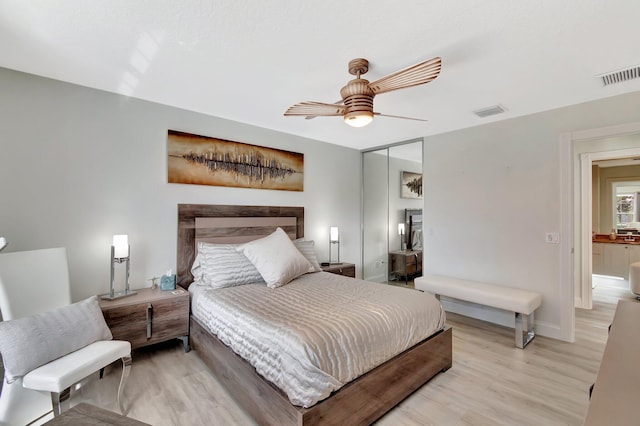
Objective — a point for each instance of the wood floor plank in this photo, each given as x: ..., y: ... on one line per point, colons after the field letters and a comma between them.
x: 491, y: 381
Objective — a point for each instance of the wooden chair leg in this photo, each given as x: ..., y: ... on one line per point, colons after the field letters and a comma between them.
x: 60, y: 401
x: 126, y: 369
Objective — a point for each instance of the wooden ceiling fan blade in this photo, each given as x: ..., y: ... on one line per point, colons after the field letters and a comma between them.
x: 399, y: 116
x: 421, y: 73
x: 308, y: 109
x: 311, y: 117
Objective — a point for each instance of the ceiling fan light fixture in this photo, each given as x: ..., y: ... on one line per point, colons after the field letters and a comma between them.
x: 358, y: 118
x: 356, y: 106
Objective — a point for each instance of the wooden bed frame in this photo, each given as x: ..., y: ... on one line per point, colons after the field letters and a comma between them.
x: 360, y: 402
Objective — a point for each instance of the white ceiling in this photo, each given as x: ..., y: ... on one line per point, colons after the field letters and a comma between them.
x: 249, y: 60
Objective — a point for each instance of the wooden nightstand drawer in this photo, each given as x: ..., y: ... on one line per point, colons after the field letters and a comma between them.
x: 346, y: 269
x: 151, y: 316
x: 405, y: 263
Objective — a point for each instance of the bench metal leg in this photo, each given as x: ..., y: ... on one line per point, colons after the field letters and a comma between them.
x: 60, y: 401
x: 126, y: 368
x: 524, y: 329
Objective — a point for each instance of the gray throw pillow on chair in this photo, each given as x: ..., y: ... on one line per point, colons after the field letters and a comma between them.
x: 29, y: 342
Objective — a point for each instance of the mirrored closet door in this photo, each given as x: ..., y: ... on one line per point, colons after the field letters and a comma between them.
x: 392, y: 213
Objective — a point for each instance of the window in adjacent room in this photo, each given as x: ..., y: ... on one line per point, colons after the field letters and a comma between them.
x: 626, y: 205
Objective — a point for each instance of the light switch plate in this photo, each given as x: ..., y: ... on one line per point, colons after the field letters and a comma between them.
x: 552, y: 237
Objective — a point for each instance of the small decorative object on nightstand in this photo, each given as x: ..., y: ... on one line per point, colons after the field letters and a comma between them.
x: 154, y: 282
x: 151, y: 316
x: 168, y: 281
x: 346, y: 269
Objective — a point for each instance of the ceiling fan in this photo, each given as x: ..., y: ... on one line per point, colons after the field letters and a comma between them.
x: 356, y: 105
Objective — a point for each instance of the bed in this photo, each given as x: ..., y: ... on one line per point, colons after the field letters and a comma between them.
x: 362, y: 400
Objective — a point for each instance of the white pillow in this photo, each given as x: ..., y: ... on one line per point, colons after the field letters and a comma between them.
x: 276, y: 258
x: 221, y: 265
x: 308, y: 250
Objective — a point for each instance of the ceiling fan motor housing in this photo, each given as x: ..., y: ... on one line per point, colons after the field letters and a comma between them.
x: 358, y: 98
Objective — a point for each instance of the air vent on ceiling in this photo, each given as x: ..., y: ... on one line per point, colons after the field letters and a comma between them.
x: 620, y: 76
x: 492, y: 110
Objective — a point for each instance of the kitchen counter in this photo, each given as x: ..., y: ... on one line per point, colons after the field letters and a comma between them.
x: 614, y: 257
x: 621, y: 239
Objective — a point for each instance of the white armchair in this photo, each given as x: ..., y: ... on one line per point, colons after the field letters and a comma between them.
x: 48, y: 344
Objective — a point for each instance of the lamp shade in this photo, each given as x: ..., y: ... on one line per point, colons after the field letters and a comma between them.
x: 334, y: 235
x: 120, y: 246
x: 358, y: 118
x: 401, y: 229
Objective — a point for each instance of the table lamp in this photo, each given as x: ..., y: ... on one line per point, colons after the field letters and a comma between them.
x: 120, y: 253
x: 334, y: 238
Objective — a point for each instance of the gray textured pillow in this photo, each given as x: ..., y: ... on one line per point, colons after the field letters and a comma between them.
x: 308, y: 250
x: 29, y: 342
x: 221, y: 265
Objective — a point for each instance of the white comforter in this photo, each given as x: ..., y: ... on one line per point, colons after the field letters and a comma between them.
x: 319, y: 332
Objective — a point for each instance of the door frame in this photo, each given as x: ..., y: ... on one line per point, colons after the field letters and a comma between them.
x: 577, y: 182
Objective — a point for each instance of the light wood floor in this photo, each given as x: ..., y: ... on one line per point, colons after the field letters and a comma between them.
x: 491, y: 381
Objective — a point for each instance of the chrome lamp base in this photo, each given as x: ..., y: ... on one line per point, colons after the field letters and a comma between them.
x: 112, y: 295
x: 118, y: 295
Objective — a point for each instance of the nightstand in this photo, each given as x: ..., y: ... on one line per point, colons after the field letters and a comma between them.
x: 148, y: 317
x: 346, y: 269
x: 405, y: 264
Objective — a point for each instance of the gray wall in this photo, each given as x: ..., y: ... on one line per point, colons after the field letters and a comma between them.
x: 78, y: 165
x: 491, y: 194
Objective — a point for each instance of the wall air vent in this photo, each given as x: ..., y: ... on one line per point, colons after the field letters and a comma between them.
x: 620, y: 76
x: 492, y: 110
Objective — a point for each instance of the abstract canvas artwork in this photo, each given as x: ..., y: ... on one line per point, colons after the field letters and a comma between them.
x: 411, y: 185
x: 201, y: 160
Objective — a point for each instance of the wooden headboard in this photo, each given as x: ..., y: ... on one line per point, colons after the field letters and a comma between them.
x: 229, y: 224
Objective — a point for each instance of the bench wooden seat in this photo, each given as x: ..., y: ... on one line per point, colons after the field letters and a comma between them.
x: 522, y: 303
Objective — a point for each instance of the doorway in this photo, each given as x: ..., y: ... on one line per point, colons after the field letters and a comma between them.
x: 589, y: 146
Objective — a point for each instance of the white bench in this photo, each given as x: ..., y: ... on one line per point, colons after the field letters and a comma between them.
x: 522, y: 302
